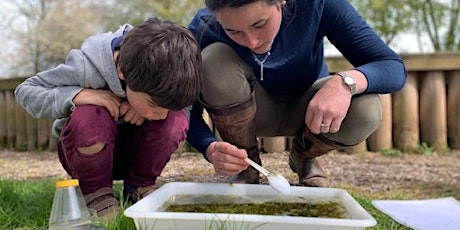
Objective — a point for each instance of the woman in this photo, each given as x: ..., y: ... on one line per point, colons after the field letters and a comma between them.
x: 269, y: 53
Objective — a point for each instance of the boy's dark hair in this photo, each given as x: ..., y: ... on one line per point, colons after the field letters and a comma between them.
x: 162, y: 59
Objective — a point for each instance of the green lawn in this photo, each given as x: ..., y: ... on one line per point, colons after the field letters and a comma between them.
x: 27, y: 204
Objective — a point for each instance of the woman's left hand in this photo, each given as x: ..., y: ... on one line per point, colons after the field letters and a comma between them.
x: 328, y: 107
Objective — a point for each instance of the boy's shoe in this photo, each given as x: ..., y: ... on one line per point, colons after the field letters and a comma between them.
x: 133, y: 195
x: 103, y: 201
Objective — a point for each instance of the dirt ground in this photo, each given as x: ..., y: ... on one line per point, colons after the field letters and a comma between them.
x: 370, y: 172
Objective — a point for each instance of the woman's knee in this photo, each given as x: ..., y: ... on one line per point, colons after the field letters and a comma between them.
x: 367, y: 110
x: 225, y: 75
x: 363, y: 118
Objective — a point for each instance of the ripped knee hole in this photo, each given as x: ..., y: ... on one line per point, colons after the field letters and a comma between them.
x: 92, y: 149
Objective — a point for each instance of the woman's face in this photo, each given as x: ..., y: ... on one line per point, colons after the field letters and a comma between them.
x: 254, y: 25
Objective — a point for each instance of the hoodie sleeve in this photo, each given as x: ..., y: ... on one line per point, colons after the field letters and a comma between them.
x: 49, y: 94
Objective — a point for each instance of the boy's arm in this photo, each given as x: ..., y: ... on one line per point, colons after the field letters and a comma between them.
x: 49, y: 94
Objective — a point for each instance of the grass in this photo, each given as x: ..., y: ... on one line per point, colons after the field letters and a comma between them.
x: 27, y: 204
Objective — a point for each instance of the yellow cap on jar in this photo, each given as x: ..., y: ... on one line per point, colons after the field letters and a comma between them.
x: 67, y: 183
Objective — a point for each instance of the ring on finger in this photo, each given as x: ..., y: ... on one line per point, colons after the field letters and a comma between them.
x: 325, y: 125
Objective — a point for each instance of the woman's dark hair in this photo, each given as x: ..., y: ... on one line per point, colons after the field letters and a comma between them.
x: 216, y: 5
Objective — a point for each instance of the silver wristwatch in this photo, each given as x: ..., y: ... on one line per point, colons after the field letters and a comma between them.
x: 349, y: 81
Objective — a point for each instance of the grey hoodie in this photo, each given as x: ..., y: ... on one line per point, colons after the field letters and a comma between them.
x: 49, y: 94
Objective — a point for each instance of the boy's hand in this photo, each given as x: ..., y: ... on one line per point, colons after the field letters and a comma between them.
x: 129, y: 115
x: 226, y: 158
x: 100, y: 97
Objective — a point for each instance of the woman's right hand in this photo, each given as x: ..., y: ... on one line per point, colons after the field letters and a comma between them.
x: 226, y: 158
x: 100, y: 97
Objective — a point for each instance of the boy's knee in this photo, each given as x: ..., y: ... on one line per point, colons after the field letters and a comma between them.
x: 92, y: 149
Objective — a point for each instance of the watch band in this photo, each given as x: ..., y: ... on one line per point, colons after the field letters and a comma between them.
x: 349, y: 81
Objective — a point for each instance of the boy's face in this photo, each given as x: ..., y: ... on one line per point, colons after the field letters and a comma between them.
x: 143, y: 105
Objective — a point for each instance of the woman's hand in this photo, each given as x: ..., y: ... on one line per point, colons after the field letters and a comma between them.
x: 100, y: 97
x: 328, y: 107
x: 226, y: 158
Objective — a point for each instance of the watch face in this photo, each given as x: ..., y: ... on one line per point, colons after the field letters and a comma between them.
x: 349, y: 80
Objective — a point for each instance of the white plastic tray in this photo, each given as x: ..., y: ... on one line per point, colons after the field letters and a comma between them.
x: 148, y: 214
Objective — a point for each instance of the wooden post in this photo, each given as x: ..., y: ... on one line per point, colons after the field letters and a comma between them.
x: 10, y: 119
x: 207, y: 119
x: 274, y: 144
x: 453, y: 110
x: 20, y: 122
x: 382, y: 137
x: 289, y: 143
x: 43, y: 133
x: 3, y: 126
x: 260, y: 140
x: 433, y: 124
x: 52, y: 143
x: 405, y: 116
x: 31, y: 133
x: 359, y: 148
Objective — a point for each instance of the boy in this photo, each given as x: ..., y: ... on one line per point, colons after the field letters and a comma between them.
x: 122, y: 105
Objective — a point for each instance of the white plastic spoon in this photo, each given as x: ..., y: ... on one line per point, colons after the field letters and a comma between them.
x: 278, y: 182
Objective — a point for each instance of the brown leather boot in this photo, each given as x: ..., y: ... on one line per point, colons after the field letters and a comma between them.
x: 236, y: 125
x: 305, y: 148
x: 309, y: 171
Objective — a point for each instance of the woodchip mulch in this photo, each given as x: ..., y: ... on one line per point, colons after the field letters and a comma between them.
x: 370, y: 172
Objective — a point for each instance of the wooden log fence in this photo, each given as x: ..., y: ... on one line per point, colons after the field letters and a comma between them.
x: 426, y: 111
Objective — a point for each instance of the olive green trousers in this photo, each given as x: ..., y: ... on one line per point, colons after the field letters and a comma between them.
x: 228, y: 80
